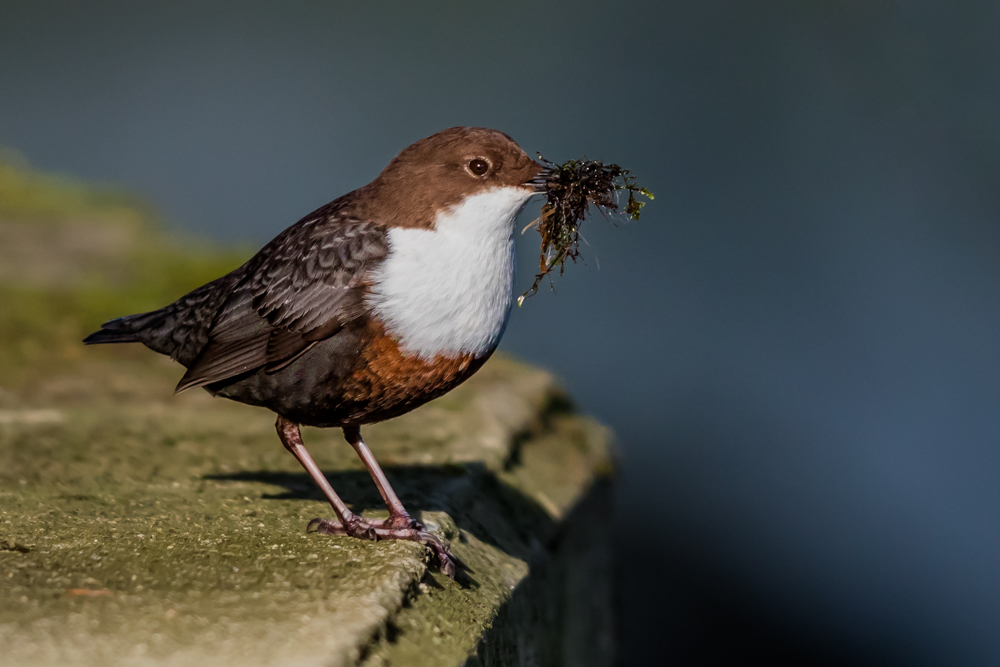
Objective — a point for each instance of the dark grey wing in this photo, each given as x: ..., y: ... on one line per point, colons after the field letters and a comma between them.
x: 303, y: 287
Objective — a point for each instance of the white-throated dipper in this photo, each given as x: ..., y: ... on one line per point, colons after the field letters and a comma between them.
x: 365, y: 309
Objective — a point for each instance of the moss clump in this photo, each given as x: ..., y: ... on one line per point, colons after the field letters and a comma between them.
x: 571, y: 189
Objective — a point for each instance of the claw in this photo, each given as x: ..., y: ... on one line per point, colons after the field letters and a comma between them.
x: 361, y: 529
x: 325, y: 527
x: 402, y: 522
x: 447, y: 563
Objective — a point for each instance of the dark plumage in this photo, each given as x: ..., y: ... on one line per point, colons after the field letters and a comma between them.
x: 301, y: 288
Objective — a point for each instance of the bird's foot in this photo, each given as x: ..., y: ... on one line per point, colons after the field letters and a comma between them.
x: 359, y: 524
x: 396, y: 527
x: 356, y: 526
x: 401, y: 521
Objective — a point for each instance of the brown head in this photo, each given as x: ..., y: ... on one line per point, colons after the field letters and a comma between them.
x: 439, y: 171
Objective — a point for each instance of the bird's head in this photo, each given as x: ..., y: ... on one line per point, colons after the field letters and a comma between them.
x: 444, y: 169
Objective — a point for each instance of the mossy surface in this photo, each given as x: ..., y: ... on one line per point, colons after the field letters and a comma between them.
x: 139, y: 527
x: 67, y: 267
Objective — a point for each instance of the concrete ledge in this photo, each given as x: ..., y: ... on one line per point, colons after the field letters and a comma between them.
x: 137, y: 529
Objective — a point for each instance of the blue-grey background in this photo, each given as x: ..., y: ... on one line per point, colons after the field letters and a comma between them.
x: 797, y: 344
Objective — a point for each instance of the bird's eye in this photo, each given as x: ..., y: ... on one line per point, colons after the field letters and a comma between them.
x: 479, y: 166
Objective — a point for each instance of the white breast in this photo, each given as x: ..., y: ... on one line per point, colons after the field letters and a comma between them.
x: 448, y: 290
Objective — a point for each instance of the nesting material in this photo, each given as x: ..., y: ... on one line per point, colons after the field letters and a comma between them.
x: 571, y: 189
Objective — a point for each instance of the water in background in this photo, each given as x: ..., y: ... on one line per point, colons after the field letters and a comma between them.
x: 797, y: 345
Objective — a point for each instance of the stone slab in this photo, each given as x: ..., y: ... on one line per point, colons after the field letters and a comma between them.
x: 141, y: 528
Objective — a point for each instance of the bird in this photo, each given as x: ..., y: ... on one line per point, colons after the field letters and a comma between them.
x: 363, y: 310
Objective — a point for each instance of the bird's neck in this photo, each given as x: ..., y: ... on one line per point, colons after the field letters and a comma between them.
x: 447, y: 291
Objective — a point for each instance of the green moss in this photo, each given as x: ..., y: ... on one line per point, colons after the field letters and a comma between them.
x: 28, y: 195
x: 73, y: 256
x: 571, y: 189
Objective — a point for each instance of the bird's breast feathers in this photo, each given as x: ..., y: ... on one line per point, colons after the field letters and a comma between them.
x: 447, y: 291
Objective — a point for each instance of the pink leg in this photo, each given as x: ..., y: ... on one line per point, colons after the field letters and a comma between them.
x: 399, y: 525
x: 350, y: 523
x: 398, y: 516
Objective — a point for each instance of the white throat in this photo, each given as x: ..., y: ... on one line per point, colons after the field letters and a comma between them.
x: 448, y: 290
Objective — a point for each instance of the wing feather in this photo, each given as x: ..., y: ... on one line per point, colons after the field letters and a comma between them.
x: 304, y: 286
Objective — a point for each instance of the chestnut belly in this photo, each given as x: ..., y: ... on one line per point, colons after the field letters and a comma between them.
x: 358, y: 376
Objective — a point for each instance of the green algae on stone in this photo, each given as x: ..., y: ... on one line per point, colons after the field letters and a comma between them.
x: 73, y: 255
x: 174, y: 533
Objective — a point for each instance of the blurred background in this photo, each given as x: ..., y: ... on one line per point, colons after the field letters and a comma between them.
x: 797, y: 345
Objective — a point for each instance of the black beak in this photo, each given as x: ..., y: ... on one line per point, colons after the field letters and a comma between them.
x: 540, y: 181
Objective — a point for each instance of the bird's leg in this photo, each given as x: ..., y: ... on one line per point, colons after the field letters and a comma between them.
x: 399, y: 525
x: 398, y: 516
x: 348, y: 523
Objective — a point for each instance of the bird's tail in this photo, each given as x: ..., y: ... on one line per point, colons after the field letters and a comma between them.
x: 124, y: 329
x: 179, y: 330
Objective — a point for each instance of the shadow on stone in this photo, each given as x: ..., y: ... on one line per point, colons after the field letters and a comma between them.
x: 561, y: 613
x: 471, y: 494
